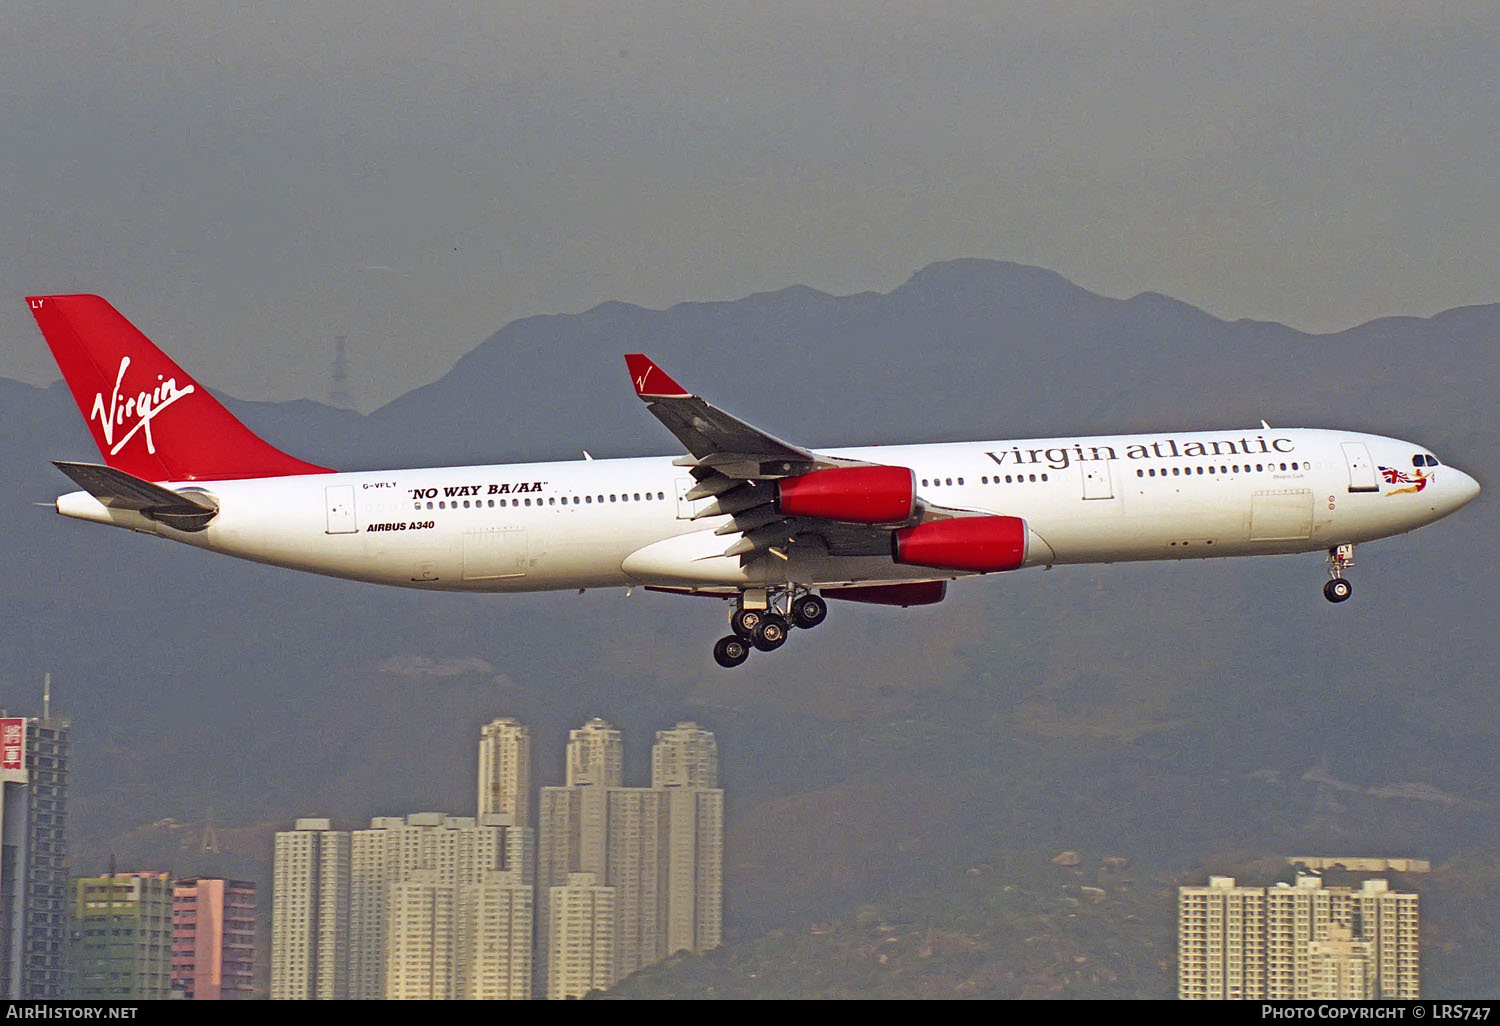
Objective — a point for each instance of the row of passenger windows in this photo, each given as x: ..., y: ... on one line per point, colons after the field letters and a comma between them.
x: 1233, y: 468
x: 1009, y: 479
x: 566, y: 500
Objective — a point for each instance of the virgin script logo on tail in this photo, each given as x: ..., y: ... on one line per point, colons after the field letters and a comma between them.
x: 143, y: 407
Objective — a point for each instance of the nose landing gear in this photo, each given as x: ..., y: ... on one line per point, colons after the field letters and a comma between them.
x: 767, y: 627
x: 1340, y: 557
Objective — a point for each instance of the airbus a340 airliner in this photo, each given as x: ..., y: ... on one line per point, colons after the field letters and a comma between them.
x: 769, y: 525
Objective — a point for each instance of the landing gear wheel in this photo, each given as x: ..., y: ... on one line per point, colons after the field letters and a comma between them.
x: 809, y: 611
x: 1337, y: 590
x: 770, y: 633
x: 731, y: 651
x: 744, y: 621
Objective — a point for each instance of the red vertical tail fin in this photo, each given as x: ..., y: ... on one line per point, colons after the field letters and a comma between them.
x: 147, y: 416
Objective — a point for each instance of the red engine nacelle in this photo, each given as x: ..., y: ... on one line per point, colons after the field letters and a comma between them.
x: 859, y: 495
x: 976, y: 544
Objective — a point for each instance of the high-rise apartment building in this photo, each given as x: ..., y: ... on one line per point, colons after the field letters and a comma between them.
x: 122, y: 937
x: 413, y: 876
x: 505, y: 770
x: 34, y: 896
x: 213, y: 939
x: 421, y: 939
x: 685, y: 769
x: 498, y: 919
x: 595, y: 755
x: 685, y: 756
x: 310, y: 913
x: 658, y: 849
x: 1297, y: 942
x: 581, y: 937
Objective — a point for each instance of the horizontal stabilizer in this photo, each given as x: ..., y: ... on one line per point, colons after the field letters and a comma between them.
x: 119, y: 490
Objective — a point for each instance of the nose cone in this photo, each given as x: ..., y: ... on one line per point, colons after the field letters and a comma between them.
x: 1461, y: 487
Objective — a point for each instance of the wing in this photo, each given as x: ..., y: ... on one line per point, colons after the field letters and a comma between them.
x: 741, y: 469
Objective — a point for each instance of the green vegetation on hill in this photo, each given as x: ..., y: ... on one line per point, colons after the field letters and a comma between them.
x: 1015, y: 927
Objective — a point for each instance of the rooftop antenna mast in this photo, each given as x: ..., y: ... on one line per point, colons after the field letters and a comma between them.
x: 210, y: 837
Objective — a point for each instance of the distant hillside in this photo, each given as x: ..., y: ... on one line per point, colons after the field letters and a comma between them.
x: 1021, y: 926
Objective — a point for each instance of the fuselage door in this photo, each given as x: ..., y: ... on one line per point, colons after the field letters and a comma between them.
x: 1097, y: 482
x: 1361, y: 468
x: 685, y: 508
x: 341, y: 509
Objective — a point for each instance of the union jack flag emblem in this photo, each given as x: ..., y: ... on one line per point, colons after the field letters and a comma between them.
x: 1394, y: 476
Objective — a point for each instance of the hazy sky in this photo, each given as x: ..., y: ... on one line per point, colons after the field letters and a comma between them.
x: 249, y: 181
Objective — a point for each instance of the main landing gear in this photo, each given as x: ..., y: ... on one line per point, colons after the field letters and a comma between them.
x: 1340, y: 558
x: 765, y: 624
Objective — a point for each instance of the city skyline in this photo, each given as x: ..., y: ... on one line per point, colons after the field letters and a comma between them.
x: 433, y: 906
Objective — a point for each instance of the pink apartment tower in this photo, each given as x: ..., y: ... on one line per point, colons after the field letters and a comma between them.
x: 213, y: 938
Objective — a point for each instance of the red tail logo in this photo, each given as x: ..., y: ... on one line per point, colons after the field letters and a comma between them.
x: 106, y: 362
x: 143, y: 406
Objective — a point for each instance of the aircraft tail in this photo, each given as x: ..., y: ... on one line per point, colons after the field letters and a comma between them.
x: 148, y: 417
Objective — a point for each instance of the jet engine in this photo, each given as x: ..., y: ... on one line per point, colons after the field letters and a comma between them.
x: 974, y: 544
x: 857, y: 495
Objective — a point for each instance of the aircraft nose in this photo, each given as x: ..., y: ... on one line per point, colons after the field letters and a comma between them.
x: 1465, y: 488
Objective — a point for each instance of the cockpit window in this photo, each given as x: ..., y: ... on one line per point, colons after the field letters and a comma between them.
x: 1421, y: 459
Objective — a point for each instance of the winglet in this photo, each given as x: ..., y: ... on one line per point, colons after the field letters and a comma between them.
x: 649, y: 379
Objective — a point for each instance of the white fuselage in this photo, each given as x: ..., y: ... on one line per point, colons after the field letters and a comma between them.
x: 604, y: 523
